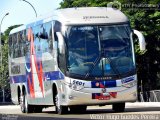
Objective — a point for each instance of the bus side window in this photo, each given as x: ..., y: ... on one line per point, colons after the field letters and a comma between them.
x: 16, y: 46
x: 24, y: 42
x: 21, y: 48
x: 61, y: 47
x: 37, y: 38
x: 13, y: 42
x: 56, y: 28
x: 19, y: 39
x: 27, y: 43
x: 48, y: 29
x: 44, y: 37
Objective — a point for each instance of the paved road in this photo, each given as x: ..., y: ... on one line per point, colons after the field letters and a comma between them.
x: 141, y: 111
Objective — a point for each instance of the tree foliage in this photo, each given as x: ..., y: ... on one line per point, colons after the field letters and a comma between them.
x: 4, y: 74
x: 83, y: 3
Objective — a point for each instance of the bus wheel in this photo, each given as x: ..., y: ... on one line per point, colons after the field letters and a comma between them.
x: 118, y: 107
x: 59, y: 108
x: 37, y: 109
x: 22, y: 103
x: 25, y: 107
x: 78, y: 109
x: 28, y: 108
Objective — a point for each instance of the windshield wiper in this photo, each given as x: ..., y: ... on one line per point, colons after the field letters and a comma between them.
x: 95, y: 63
x: 93, y: 66
x: 113, y: 67
x: 110, y: 62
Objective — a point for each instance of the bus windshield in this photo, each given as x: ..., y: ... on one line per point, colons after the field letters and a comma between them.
x: 99, y: 51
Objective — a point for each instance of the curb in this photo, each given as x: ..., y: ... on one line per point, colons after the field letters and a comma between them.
x: 6, y: 103
x: 144, y: 104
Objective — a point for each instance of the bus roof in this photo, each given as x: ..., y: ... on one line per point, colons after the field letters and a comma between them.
x: 78, y: 16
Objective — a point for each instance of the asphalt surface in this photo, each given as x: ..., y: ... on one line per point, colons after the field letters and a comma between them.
x: 133, y: 111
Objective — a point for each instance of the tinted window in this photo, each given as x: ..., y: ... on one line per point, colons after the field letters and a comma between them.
x: 95, y: 51
x: 48, y: 28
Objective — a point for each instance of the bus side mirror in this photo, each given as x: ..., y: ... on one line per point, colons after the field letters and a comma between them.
x: 141, y: 39
x: 60, y: 42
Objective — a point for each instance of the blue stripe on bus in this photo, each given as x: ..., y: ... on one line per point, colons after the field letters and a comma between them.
x: 57, y: 75
x: 18, y: 79
x: 54, y: 75
x: 104, y: 84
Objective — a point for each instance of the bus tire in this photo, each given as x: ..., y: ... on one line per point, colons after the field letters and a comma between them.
x: 25, y: 107
x: 59, y: 108
x: 22, y: 104
x: 118, y: 107
x: 28, y: 108
x: 78, y: 109
x: 62, y: 110
x: 37, y: 109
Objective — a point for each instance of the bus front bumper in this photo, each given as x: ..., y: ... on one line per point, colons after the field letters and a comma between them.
x: 92, y: 96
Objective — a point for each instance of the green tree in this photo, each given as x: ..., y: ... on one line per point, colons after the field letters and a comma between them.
x: 83, y: 3
x: 4, y: 78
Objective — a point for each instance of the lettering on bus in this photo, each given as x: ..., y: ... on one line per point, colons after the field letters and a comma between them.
x: 95, y: 17
x: 15, y: 69
x: 75, y: 82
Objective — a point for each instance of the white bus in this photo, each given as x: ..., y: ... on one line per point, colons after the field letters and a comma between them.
x: 74, y: 58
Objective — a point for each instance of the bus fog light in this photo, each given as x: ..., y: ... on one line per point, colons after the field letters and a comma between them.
x: 76, y: 87
x: 71, y: 97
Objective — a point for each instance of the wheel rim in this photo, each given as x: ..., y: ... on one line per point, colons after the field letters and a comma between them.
x: 57, y: 107
x: 22, y: 104
x: 26, y: 104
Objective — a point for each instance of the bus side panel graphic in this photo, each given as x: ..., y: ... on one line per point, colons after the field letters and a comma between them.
x: 34, y: 71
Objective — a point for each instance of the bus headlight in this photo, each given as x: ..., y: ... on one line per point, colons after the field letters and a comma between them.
x: 130, y: 84
x: 76, y: 87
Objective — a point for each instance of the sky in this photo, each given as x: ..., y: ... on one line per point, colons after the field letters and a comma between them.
x: 21, y: 12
